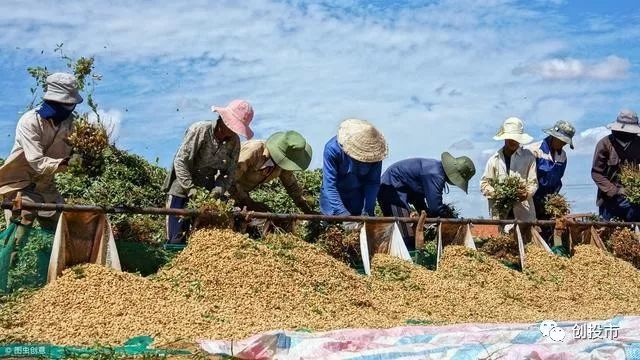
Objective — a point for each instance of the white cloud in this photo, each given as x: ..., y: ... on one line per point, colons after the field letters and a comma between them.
x: 428, y: 76
x: 611, y: 68
x: 586, y: 140
x: 112, y: 120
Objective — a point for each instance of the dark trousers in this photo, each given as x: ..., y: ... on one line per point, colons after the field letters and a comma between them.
x: 620, y: 208
x: 395, y: 203
x: 177, y: 227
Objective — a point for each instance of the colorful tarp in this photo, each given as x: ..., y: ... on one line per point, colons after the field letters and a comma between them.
x: 617, y: 338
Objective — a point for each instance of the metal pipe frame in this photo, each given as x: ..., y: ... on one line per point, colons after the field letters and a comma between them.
x: 123, y: 209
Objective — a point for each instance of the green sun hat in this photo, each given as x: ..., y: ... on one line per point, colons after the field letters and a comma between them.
x: 459, y: 170
x: 289, y: 150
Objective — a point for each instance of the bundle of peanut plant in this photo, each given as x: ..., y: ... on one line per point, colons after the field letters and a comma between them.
x: 630, y: 179
x: 556, y: 205
x: 215, y: 212
x: 507, y: 192
x: 626, y: 245
x: 88, y: 140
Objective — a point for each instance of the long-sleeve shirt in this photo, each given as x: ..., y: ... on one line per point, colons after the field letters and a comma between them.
x: 349, y: 187
x: 40, y: 147
x: 609, y: 155
x: 418, y: 178
x: 550, y: 168
x: 203, y: 161
x: 523, y: 164
x: 255, y: 167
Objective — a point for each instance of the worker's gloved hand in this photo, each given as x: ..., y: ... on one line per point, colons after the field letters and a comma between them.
x: 192, y: 192
x: 218, y: 193
x: 350, y: 226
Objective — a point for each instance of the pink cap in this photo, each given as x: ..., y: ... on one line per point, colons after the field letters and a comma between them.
x: 237, y: 116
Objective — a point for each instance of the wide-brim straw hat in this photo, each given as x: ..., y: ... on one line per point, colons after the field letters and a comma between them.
x: 289, y: 150
x: 458, y: 169
x: 62, y: 88
x: 513, y: 129
x: 362, y: 141
x: 237, y: 116
x: 627, y: 121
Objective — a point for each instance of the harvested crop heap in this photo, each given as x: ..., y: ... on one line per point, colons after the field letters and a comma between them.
x: 224, y: 285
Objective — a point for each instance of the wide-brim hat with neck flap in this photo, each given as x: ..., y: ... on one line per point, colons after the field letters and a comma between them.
x: 362, y: 141
x: 289, y: 150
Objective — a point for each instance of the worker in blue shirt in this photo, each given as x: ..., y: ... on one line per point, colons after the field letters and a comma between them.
x: 420, y: 183
x: 551, y: 162
x: 351, y: 170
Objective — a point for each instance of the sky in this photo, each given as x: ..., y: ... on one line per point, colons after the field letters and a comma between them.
x: 433, y: 76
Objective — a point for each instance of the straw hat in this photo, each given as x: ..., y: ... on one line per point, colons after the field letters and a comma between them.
x: 237, y: 116
x: 289, y: 150
x: 627, y: 121
x: 62, y: 88
x: 513, y: 129
x: 362, y: 141
x: 459, y: 170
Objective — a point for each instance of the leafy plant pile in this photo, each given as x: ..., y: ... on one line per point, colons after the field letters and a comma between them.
x: 556, y: 206
x: 626, y: 245
x: 630, y: 179
x: 274, y: 195
x: 127, y: 180
x: 507, y: 191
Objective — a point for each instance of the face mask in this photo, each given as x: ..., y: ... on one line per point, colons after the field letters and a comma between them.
x: 624, y: 136
x: 55, y: 111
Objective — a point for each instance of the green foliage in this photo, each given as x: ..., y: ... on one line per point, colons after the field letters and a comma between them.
x: 429, y: 255
x: 507, y: 192
x: 127, y: 180
x: 630, y: 179
x: 30, y: 270
x: 274, y: 195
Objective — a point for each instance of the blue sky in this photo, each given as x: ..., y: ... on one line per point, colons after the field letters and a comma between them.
x: 433, y: 76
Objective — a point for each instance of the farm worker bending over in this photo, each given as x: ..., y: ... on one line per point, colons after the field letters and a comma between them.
x: 262, y: 161
x: 621, y: 147
x: 40, y: 151
x: 512, y: 160
x: 551, y: 162
x: 412, y: 181
x: 351, y: 170
x: 206, y: 158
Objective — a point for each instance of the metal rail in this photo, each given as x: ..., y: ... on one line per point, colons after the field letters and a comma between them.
x: 122, y: 209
